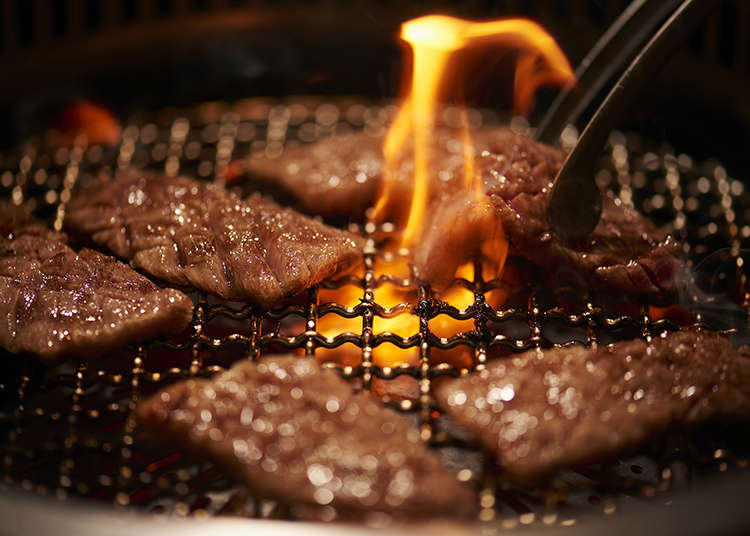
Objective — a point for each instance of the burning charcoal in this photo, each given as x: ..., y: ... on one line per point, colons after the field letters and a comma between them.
x: 294, y: 432
x: 549, y: 409
x: 193, y: 233
x: 58, y: 303
x: 93, y: 121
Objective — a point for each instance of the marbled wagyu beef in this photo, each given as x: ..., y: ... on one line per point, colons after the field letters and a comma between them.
x: 58, y: 303
x: 549, y: 409
x: 337, y: 176
x: 195, y: 233
x: 626, y: 253
x: 292, y: 431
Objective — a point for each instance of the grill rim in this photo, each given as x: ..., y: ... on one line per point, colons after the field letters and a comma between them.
x: 686, y: 514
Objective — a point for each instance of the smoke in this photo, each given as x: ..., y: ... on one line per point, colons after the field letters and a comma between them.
x: 716, y: 290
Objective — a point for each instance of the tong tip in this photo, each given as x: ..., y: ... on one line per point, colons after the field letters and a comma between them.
x: 574, y: 209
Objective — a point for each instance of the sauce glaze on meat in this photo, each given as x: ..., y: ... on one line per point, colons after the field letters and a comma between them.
x: 295, y: 432
x: 548, y: 409
x: 195, y: 233
x: 57, y: 303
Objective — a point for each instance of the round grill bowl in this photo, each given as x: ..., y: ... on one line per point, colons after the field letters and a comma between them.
x: 66, y: 431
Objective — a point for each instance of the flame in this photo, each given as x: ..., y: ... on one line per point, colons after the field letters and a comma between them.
x: 471, y: 179
x: 395, y: 295
x: 434, y: 41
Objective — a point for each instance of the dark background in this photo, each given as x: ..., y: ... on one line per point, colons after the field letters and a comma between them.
x: 148, y: 54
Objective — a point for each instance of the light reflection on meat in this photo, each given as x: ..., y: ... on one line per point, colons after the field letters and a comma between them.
x: 58, y: 303
x: 549, y: 409
x: 192, y: 233
x: 291, y: 431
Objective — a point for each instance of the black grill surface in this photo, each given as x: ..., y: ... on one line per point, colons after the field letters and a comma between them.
x: 65, y: 431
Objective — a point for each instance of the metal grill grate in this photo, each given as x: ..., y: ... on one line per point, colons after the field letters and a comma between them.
x: 66, y: 430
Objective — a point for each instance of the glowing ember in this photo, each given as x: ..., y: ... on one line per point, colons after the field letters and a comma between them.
x: 399, y: 296
x: 95, y: 122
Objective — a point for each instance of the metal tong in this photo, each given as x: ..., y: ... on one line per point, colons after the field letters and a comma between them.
x: 575, y: 202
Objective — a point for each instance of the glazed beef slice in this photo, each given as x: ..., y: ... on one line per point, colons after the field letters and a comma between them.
x: 336, y: 176
x: 549, y: 409
x: 625, y: 253
x: 194, y: 233
x: 57, y: 303
x: 294, y: 432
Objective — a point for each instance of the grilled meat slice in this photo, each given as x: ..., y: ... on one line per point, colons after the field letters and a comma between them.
x: 292, y: 431
x: 548, y: 409
x: 336, y: 176
x: 194, y: 233
x: 57, y: 303
x: 341, y: 175
x: 473, y: 233
x: 625, y: 253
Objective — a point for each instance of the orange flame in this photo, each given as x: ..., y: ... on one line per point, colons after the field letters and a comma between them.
x: 434, y: 39
x: 394, y: 297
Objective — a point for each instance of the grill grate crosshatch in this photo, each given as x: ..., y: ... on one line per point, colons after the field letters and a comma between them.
x: 66, y: 429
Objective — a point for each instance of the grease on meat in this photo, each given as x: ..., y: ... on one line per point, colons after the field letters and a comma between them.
x: 292, y: 431
x: 549, y: 409
x: 58, y: 303
x: 194, y: 233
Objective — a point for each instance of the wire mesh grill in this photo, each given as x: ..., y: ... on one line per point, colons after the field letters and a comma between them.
x: 66, y: 429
